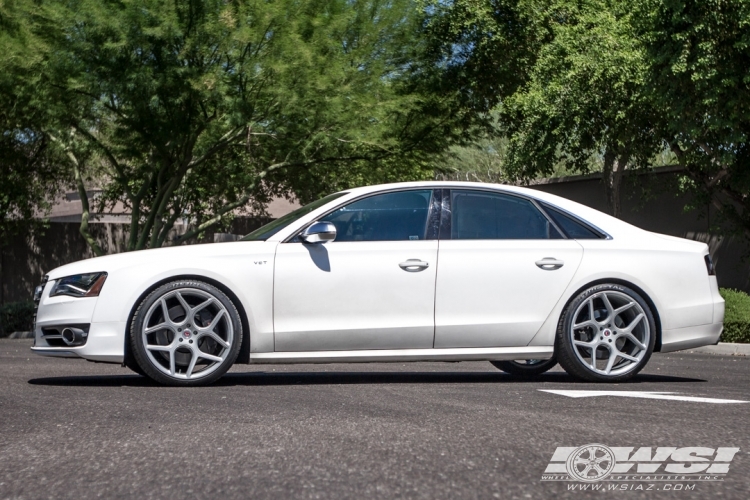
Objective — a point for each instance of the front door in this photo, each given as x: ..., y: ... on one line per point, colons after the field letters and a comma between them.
x: 493, y: 286
x: 373, y: 287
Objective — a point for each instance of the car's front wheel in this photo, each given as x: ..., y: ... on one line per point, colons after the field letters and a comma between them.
x: 526, y: 367
x: 606, y: 334
x: 185, y: 332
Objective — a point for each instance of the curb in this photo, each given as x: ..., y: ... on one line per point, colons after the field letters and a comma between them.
x: 724, y: 348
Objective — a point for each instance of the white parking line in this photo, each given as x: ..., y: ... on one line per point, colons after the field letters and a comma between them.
x: 641, y: 394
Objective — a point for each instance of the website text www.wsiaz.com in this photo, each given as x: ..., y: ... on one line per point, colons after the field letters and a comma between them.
x: 632, y: 487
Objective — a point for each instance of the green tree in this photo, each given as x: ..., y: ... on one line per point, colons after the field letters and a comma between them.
x: 192, y: 110
x: 561, y: 81
x: 29, y: 176
x: 699, y: 84
x: 585, y: 97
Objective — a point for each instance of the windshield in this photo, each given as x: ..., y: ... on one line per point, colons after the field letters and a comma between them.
x: 265, y: 232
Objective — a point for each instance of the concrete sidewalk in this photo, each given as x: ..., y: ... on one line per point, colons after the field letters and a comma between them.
x: 724, y: 348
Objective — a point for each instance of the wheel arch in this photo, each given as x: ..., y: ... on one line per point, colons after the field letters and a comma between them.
x: 244, y: 355
x: 635, y: 288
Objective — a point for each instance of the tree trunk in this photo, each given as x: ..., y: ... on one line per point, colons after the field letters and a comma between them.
x: 85, y: 212
x: 612, y: 175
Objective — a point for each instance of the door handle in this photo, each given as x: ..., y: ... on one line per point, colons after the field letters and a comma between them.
x: 550, y: 263
x: 412, y: 265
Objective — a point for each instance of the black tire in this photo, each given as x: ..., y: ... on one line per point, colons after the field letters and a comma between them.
x: 528, y: 368
x: 610, y: 335
x: 133, y: 366
x: 152, y: 365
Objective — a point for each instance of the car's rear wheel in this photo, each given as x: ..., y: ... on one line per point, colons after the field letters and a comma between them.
x: 606, y: 334
x: 526, y: 367
x: 186, y: 332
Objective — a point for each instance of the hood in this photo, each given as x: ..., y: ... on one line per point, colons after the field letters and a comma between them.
x: 169, y: 256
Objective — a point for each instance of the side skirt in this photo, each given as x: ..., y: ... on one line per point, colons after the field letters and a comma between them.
x: 396, y: 355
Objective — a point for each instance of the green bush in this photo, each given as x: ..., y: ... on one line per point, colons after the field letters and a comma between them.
x: 16, y: 317
x: 736, y: 316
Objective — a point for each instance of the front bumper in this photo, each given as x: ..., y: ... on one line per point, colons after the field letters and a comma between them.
x: 105, y: 341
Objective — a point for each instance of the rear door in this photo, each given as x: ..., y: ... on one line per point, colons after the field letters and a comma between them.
x: 502, y: 268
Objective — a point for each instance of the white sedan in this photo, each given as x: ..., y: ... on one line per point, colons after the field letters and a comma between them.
x: 426, y: 271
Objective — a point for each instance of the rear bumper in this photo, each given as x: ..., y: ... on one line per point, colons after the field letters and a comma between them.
x: 691, y: 337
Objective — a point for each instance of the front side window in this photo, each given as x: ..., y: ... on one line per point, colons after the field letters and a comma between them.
x: 481, y: 215
x: 397, y: 216
x: 265, y: 232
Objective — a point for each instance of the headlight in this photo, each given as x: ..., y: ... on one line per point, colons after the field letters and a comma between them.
x: 79, y: 285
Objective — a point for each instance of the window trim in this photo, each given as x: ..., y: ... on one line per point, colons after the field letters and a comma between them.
x: 603, y: 235
x: 433, y: 205
x: 447, y: 212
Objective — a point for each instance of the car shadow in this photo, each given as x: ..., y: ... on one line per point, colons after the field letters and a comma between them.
x: 361, y: 378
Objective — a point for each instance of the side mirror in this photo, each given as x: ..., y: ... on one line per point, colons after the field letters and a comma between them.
x: 319, y: 232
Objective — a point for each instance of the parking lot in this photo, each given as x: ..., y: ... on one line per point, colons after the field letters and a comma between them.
x: 74, y: 429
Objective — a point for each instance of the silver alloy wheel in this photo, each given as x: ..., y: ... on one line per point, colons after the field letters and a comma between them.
x: 610, y: 333
x: 185, y: 329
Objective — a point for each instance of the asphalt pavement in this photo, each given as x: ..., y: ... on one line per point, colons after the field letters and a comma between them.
x: 75, y: 429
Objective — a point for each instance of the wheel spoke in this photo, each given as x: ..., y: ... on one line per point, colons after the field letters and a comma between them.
x: 160, y: 326
x: 591, y: 310
x: 216, y: 319
x: 165, y: 312
x: 184, y: 305
x: 634, y: 340
x: 210, y: 357
x: 191, y: 367
x: 585, y: 344
x: 161, y: 348
x: 634, y: 323
x: 610, y: 309
x: 624, y: 308
x: 171, y: 363
x: 591, y: 323
x: 223, y: 343
x: 611, y: 361
x: 627, y: 356
x: 202, y: 305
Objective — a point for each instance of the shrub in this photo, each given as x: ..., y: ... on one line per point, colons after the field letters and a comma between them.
x: 736, y: 316
x: 16, y: 317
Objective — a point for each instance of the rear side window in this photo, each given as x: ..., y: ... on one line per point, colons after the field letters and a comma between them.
x: 481, y: 215
x: 573, y: 228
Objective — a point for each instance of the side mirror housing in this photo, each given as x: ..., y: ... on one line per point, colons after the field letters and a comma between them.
x: 319, y: 232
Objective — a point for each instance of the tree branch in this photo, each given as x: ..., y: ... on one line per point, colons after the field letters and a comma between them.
x: 220, y: 144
